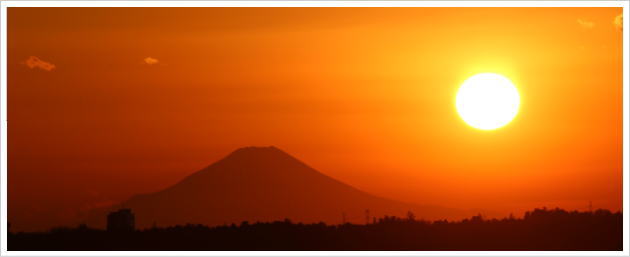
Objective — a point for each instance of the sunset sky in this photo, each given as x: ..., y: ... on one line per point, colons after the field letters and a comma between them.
x: 105, y: 103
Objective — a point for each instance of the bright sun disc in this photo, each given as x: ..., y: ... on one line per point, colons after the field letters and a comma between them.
x: 487, y: 101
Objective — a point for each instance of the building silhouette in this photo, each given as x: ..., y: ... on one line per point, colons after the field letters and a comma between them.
x: 122, y: 220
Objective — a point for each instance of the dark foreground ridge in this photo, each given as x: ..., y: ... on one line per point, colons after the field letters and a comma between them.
x: 540, y: 229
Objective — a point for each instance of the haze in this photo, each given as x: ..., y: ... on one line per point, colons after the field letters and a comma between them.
x: 105, y: 103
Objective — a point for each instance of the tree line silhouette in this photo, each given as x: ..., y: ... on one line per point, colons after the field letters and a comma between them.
x: 540, y: 229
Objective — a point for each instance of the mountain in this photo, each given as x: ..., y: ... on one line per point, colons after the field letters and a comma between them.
x: 263, y: 184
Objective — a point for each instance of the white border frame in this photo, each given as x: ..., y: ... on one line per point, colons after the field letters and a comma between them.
x: 3, y: 120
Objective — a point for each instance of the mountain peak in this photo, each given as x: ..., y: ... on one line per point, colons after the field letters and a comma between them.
x: 251, y: 153
x: 260, y: 184
x: 249, y: 149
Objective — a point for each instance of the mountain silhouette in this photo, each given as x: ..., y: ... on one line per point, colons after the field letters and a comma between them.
x: 262, y: 184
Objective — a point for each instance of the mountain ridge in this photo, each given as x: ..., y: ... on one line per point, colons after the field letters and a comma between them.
x: 264, y: 184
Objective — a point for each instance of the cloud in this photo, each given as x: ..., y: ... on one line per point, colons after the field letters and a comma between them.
x: 34, y: 62
x: 151, y: 60
x: 586, y: 24
x: 618, y: 21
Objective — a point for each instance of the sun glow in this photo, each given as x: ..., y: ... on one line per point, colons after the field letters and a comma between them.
x: 487, y: 101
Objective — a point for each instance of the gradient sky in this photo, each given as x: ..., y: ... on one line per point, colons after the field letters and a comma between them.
x: 104, y: 103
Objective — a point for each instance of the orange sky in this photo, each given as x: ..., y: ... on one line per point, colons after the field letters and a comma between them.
x: 120, y: 101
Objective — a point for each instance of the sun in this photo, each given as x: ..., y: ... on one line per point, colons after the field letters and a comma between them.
x: 487, y: 101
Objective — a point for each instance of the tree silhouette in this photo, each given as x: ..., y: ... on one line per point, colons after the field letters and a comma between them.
x: 539, y: 229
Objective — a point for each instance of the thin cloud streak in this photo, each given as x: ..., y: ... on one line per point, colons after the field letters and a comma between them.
x: 618, y: 21
x: 151, y: 60
x: 586, y: 24
x: 34, y: 62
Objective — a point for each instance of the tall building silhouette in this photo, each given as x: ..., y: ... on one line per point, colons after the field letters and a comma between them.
x: 122, y: 220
